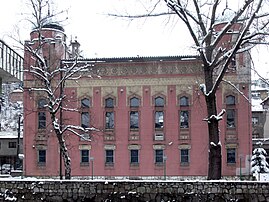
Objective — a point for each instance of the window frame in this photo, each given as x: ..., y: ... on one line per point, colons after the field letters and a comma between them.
x: 84, y: 157
x: 159, y: 158
x: 42, y: 158
x: 183, y: 156
x: 109, y: 158
x: 12, y: 145
x: 134, y: 156
x: 229, y: 157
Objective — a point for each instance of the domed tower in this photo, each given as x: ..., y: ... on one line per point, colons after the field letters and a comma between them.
x: 43, y: 54
x: 48, y: 43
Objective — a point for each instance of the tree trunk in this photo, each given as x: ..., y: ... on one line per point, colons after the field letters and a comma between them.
x: 215, y: 158
x: 65, y: 156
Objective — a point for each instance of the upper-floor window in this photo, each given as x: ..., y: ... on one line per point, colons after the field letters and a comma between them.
x: 184, y: 101
x: 159, y: 102
x: 230, y: 100
x: 109, y: 102
x: 134, y: 120
x: 41, y: 103
x: 184, y: 119
x: 134, y: 102
x: 230, y: 111
x: 159, y: 119
x: 85, y: 119
x: 109, y: 120
x: 85, y: 103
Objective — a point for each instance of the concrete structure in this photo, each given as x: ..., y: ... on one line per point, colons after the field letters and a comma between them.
x: 149, y: 111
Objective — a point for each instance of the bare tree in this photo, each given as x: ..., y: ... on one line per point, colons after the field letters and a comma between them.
x: 48, y: 75
x: 248, y: 26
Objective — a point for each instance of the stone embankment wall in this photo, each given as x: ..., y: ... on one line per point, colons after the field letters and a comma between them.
x: 116, y: 190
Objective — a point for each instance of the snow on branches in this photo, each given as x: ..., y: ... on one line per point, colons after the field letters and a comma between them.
x: 258, y: 161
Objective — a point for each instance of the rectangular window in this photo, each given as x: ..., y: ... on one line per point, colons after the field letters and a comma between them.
x: 109, y: 156
x: 109, y: 120
x: 134, y: 119
x: 41, y: 156
x: 184, y: 119
x: 41, y: 120
x: 184, y: 156
x: 231, y: 155
x: 85, y: 119
x: 158, y: 156
x: 159, y: 118
x: 230, y: 118
x: 134, y: 156
x: 12, y: 145
x: 84, y: 156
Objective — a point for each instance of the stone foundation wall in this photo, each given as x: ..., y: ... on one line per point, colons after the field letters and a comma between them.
x: 116, y: 190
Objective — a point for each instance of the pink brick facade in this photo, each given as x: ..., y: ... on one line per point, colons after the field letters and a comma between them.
x: 157, y: 127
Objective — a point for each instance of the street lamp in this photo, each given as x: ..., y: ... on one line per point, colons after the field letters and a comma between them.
x: 92, y: 159
x: 164, y: 168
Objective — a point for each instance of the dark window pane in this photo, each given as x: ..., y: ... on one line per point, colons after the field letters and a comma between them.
x: 184, y: 119
x: 134, y: 156
x: 184, y: 101
x: 231, y: 155
x: 184, y: 156
x: 85, y: 119
x: 230, y: 100
x: 159, y: 102
x: 134, y: 102
x: 84, y: 156
x: 85, y: 103
x: 109, y: 156
x: 109, y: 120
x: 42, y: 156
x: 158, y: 156
x: 12, y: 145
x: 159, y: 119
x: 134, y: 119
x: 109, y: 102
x: 41, y: 120
x: 230, y: 113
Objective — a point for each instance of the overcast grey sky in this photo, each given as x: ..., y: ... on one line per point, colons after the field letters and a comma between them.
x: 103, y: 36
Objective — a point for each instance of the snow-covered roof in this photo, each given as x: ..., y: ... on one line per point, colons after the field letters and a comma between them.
x: 9, y: 135
x: 256, y: 105
x: 258, y: 88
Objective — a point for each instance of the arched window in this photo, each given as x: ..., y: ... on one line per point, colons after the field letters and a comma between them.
x: 230, y: 100
x: 109, y: 102
x: 85, y: 103
x: 41, y: 103
x: 184, y: 101
x: 159, y: 102
x: 134, y: 102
